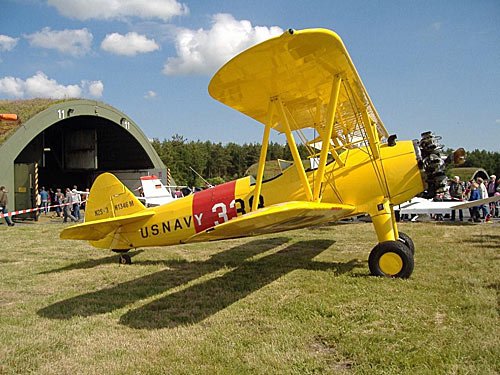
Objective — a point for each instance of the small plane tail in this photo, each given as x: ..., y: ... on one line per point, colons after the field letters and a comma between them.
x: 109, y: 198
x: 110, y: 206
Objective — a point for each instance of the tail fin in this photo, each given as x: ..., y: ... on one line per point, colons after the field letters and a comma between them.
x: 109, y: 198
x: 109, y: 207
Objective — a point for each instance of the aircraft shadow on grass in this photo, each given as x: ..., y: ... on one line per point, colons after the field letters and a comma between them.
x: 90, y: 263
x: 485, y: 240
x: 199, y: 301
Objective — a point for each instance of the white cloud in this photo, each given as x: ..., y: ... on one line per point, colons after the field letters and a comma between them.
x: 7, y: 43
x: 129, y: 44
x: 72, y: 42
x: 41, y: 86
x: 12, y: 87
x: 120, y: 9
x: 94, y: 88
x: 497, y: 121
x: 203, y: 51
x: 150, y: 95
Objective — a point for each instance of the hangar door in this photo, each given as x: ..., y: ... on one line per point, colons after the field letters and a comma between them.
x: 23, y: 185
x: 80, y: 149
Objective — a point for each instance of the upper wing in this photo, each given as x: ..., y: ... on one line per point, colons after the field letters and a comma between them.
x: 276, y: 218
x: 299, y: 68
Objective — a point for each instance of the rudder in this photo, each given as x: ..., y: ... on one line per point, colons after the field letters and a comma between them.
x: 109, y: 198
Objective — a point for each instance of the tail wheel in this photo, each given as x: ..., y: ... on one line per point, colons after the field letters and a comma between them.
x: 391, y: 259
x: 404, y: 238
x: 125, y: 259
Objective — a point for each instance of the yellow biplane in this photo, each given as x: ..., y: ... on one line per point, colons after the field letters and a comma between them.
x: 299, y: 82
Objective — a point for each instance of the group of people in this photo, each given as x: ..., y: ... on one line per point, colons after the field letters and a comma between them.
x: 475, y: 190
x: 67, y: 204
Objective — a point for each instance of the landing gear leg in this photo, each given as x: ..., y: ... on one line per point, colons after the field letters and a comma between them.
x: 123, y: 257
x: 393, y: 256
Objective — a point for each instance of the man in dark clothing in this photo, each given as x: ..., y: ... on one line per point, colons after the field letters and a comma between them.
x: 492, y: 189
x: 4, y: 200
x: 457, y: 192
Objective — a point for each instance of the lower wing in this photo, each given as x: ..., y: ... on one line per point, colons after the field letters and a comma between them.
x: 276, y: 218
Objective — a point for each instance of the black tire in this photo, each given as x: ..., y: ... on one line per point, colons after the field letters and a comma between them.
x: 391, y: 259
x: 404, y: 238
x: 125, y: 259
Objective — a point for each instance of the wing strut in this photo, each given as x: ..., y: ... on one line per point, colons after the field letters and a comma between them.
x: 262, y: 159
x: 276, y: 103
x: 371, y: 132
x: 293, y: 148
x: 326, y: 136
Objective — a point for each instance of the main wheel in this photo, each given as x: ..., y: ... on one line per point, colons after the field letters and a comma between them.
x: 391, y: 259
x: 124, y: 259
x: 404, y: 238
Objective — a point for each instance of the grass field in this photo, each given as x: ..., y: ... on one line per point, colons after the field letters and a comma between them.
x: 300, y: 302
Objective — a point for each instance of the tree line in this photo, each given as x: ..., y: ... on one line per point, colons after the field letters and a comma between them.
x: 488, y: 160
x: 217, y: 162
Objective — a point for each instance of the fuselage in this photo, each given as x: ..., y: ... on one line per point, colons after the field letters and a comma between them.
x: 361, y: 182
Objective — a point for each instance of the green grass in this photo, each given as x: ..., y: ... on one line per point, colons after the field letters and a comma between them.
x: 300, y: 302
x: 24, y: 109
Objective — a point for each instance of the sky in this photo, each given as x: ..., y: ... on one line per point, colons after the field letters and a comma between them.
x: 427, y: 65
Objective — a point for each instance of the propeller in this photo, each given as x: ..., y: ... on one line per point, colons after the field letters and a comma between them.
x: 433, y: 163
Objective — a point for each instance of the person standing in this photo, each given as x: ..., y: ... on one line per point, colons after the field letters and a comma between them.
x: 38, y: 204
x: 76, y: 203
x: 59, y: 200
x: 475, y: 195
x: 4, y: 200
x: 44, y: 195
x: 484, y: 194
x: 492, y: 187
x: 85, y: 197
x: 457, y: 193
x: 68, y: 203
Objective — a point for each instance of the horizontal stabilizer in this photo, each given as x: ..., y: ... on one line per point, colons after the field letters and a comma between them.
x: 276, y: 218
x: 98, y: 229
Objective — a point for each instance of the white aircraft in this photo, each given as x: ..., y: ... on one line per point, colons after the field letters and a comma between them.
x: 421, y: 206
x: 154, y: 192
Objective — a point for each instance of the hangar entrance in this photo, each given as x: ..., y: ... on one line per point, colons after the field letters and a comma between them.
x: 62, y: 143
x: 73, y: 152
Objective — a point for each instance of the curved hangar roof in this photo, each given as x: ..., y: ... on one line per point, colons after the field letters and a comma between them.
x: 60, y: 143
x: 38, y: 115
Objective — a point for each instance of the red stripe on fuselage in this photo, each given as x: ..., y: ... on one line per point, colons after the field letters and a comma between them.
x: 214, y: 206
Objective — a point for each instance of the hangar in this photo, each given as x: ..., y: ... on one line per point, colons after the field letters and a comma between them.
x: 61, y: 143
